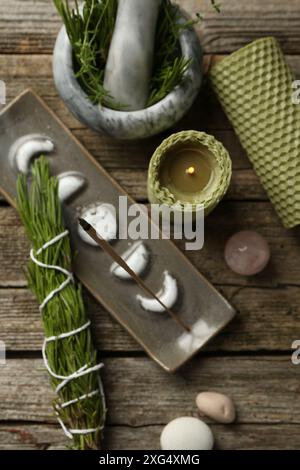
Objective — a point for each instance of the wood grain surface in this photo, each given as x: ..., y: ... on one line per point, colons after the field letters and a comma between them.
x: 251, y: 359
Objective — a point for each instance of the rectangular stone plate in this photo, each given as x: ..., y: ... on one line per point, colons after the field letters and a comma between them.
x: 199, y: 304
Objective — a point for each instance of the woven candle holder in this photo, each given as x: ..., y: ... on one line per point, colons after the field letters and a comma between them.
x: 254, y: 86
x: 211, y: 196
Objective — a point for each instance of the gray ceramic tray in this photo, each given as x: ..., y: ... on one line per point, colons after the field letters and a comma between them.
x: 199, y: 305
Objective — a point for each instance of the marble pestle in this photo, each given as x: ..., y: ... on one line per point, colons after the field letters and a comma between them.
x: 130, y: 59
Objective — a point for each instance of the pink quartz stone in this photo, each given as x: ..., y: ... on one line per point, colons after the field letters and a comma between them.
x: 247, y: 253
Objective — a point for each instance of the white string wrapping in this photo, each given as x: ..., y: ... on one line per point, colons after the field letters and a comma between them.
x: 84, y: 369
x: 49, y: 266
x: 69, y: 432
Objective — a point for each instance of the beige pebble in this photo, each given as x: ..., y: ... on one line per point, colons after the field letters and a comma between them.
x: 216, y: 406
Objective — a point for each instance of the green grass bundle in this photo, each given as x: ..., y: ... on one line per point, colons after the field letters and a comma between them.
x: 80, y: 404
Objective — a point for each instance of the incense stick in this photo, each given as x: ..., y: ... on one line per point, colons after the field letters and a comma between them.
x: 119, y: 260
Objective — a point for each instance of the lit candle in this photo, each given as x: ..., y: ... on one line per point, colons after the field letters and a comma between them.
x: 186, y: 171
x: 189, y: 167
x: 190, y: 170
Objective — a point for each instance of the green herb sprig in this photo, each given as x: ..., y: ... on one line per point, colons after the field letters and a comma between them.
x: 90, y: 34
x: 41, y: 214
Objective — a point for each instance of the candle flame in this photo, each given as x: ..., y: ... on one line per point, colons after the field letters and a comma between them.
x: 190, y: 170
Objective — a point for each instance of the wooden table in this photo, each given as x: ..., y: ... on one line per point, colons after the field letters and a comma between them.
x: 251, y: 359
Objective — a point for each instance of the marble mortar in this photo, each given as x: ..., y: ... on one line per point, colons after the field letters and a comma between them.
x: 128, y: 125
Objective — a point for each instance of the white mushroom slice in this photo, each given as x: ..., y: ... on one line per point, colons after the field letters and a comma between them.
x: 69, y: 183
x: 167, y: 295
x: 26, y: 147
x: 102, y: 217
x: 137, y: 258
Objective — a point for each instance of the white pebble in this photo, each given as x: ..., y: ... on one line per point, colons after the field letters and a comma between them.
x: 186, y: 433
x: 216, y: 406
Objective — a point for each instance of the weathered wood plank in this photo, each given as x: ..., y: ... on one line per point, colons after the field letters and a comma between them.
x: 139, y: 393
x: 231, y: 216
x: 35, y: 71
x: 267, y: 319
x: 31, y: 437
x: 264, y: 388
x: 245, y: 185
x: 35, y: 24
x: 242, y: 21
x: 230, y: 437
x: 206, y: 114
x: 20, y: 72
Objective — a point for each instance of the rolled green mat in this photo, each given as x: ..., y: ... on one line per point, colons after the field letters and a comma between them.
x: 254, y: 86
